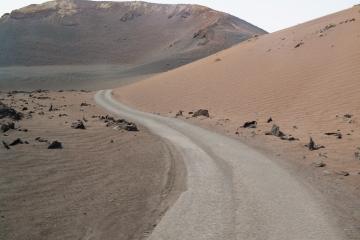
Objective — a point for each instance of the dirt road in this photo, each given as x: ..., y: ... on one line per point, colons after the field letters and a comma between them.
x: 233, y: 192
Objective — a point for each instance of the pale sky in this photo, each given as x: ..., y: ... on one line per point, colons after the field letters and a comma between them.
x: 271, y: 15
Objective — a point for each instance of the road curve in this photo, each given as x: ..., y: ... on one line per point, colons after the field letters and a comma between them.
x: 233, y: 192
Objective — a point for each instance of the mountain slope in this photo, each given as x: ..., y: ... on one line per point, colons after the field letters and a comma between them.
x: 86, y: 32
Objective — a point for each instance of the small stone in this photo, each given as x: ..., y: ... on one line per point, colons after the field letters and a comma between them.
x: 343, y: 173
x: 250, y: 124
x: 5, y: 145
x: 269, y: 120
x: 298, y: 45
x: 16, y: 142
x: 55, y: 145
x: 84, y: 104
x: 319, y: 164
x: 312, y: 146
x: 357, y: 155
x: 131, y: 127
x: 201, y: 112
x: 275, y: 131
x: 42, y: 140
x: 179, y: 114
x: 7, y: 126
x: 336, y: 134
x: 78, y: 125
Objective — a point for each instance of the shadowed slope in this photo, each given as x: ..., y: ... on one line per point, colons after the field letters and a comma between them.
x: 86, y: 32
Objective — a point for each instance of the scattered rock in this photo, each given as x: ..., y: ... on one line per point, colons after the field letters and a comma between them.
x: 289, y: 138
x: 84, y: 104
x: 337, y: 134
x: 5, y: 145
x: 78, y: 125
x: 16, y: 142
x: 63, y: 115
x: 327, y: 27
x: 129, y: 126
x: 8, y: 112
x: 348, y: 116
x: 42, y: 140
x: 7, y: 126
x: 55, y: 145
x: 343, y: 173
x: 25, y: 109
x: 275, y: 131
x: 269, y: 120
x: 51, y: 108
x: 120, y: 124
x: 357, y: 154
x: 179, y: 114
x: 299, y: 45
x: 319, y: 164
x: 312, y: 146
x: 201, y: 112
x: 250, y: 124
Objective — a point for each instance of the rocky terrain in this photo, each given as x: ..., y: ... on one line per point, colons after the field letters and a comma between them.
x: 70, y: 171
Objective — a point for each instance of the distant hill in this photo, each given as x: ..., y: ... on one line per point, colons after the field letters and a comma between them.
x: 67, y: 32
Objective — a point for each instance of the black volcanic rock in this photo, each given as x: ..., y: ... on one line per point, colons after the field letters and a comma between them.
x: 92, y: 32
x: 8, y: 112
x: 201, y: 112
x: 55, y: 145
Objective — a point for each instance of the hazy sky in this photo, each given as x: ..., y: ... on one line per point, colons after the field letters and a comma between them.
x: 270, y: 15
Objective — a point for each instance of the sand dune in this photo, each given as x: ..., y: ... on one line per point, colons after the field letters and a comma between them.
x: 306, y: 76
